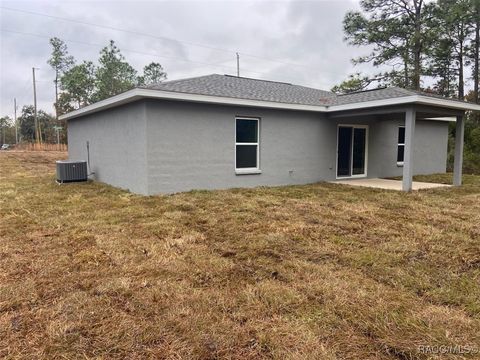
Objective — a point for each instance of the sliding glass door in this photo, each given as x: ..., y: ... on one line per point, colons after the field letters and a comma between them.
x: 351, y: 151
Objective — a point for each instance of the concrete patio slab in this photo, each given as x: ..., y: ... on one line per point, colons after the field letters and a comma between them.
x: 388, y: 184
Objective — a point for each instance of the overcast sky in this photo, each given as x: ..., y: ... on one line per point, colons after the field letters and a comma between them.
x: 293, y: 41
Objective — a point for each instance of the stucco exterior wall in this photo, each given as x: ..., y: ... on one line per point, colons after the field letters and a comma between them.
x: 152, y: 146
x: 430, y: 148
x: 192, y: 146
x: 117, y: 145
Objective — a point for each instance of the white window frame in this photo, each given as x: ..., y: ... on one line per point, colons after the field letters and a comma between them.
x: 365, y: 173
x: 251, y: 170
x: 400, y: 163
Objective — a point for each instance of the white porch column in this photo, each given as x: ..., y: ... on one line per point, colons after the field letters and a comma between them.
x: 458, y: 160
x: 408, y: 152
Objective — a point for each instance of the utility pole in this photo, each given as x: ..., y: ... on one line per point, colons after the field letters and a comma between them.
x: 238, y: 65
x: 56, y: 98
x: 15, y: 119
x: 57, y: 129
x: 37, y: 132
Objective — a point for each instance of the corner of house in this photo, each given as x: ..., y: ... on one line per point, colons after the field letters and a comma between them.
x: 145, y: 148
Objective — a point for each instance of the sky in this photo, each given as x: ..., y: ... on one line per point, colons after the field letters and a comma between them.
x: 300, y: 42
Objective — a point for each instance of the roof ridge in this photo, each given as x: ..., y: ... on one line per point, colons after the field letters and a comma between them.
x: 182, y: 79
x: 170, y: 82
x: 281, y: 82
x: 254, y: 79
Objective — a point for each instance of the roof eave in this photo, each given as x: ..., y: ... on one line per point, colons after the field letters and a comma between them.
x: 140, y: 93
x: 120, y: 99
x: 451, y: 104
x: 407, y: 100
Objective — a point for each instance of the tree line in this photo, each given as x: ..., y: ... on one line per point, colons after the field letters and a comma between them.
x: 424, y: 45
x: 432, y: 46
x: 78, y: 85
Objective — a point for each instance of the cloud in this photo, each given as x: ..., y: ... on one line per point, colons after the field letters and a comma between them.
x: 295, y: 41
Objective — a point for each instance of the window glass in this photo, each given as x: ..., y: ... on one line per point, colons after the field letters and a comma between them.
x: 359, y: 148
x: 400, y: 153
x: 344, y: 151
x: 246, y: 144
x: 401, y: 144
x: 247, y: 131
x: 246, y: 156
x: 401, y: 135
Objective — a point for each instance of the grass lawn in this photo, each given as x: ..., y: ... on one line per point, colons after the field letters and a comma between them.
x: 321, y: 271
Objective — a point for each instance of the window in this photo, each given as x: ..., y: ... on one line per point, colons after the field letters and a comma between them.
x: 401, y: 145
x: 246, y: 145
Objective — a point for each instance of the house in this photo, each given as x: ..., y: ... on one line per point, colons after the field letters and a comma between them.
x: 221, y: 131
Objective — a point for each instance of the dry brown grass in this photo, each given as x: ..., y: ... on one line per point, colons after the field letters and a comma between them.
x: 303, y: 272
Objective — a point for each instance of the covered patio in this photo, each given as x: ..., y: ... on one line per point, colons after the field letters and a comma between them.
x: 434, y: 109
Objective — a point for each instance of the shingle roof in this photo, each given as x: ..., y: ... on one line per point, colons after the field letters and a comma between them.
x: 269, y: 94
x: 255, y: 89
x: 383, y: 93
x: 246, y: 88
x: 372, y: 95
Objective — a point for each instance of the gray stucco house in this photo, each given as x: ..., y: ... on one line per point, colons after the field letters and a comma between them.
x: 221, y: 131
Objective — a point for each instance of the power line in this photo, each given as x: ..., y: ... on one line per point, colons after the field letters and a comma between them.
x: 164, y: 38
x: 133, y: 32
x: 217, y: 64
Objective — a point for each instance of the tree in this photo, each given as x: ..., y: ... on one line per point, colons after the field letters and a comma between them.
x: 60, y: 61
x: 441, y: 66
x: 454, y: 17
x: 27, y: 124
x: 153, y: 73
x: 66, y: 103
x: 355, y: 82
x: 7, y: 130
x: 396, y: 30
x: 85, y: 83
x: 473, y: 52
x: 114, y: 75
x: 79, y: 84
x: 471, y: 155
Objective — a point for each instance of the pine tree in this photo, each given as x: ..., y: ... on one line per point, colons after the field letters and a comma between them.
x: 153, y: 73
x: 114, y: 75
x: 60, y: 61
x: 78, y: 85
x: 396, y: 30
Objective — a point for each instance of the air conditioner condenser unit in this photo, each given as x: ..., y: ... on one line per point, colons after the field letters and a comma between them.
x: 70, y: 171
